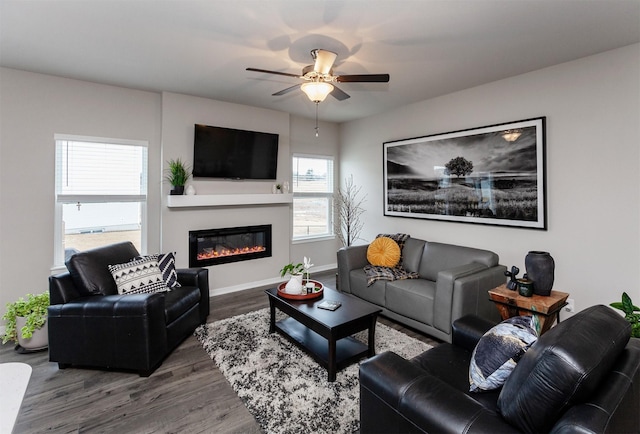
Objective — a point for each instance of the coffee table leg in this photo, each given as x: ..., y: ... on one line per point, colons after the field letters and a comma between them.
x: 332, y: 360
x: 372, y: 336
x: 272, y: 318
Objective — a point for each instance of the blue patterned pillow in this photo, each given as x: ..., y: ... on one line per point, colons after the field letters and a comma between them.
x: 498, y: 352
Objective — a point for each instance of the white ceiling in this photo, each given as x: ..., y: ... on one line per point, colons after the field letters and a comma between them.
x: 429, y: 47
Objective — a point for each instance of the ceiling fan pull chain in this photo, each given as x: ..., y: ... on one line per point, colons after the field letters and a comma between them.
x: 317, y: 129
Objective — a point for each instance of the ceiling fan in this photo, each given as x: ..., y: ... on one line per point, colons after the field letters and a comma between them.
x: 319, y: 78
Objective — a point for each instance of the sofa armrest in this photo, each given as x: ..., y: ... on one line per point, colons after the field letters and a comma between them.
x: 444, y: 292
x: 463, y: 290
x: 350, y: 258
x: 467, y: 331
x: 398, y: 396
x: 198, y: 277
x: 127, y: 331
x: 62, y: 289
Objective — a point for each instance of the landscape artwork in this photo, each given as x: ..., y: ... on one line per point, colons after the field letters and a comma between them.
x: 492, y: 175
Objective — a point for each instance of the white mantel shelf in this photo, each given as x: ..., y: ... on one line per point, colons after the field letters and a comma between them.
x: 215, y: 200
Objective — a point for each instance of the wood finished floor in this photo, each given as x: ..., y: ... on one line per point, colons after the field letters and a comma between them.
x: 186, y: 394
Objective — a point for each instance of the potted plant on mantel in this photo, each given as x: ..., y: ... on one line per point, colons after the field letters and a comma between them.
x: 177, y: 175
x: 25, y: 323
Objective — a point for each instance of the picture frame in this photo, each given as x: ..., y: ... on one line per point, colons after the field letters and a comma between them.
x: 492, y: 175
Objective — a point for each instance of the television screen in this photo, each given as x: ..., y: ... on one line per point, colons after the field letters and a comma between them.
x: 234, y: 154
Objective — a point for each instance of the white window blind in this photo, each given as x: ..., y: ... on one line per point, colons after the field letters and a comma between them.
x: 312, y: 197
x: 90, y: 171
x: 101, y: 193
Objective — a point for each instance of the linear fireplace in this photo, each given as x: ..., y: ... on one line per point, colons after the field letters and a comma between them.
x: 221, y: 246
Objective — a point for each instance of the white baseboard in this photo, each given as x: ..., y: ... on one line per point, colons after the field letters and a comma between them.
x: 260, y: 283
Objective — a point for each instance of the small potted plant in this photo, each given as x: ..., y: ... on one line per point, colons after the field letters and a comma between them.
x: 25, y: 322
x: 294, y: 285
x: 631, y: 313
x: 177, y: 175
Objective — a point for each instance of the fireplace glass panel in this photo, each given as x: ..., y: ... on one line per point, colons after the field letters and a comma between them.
x: 219, y: 246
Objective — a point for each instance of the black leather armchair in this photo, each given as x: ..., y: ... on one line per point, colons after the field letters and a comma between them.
x: 91, y: 325
x: 581, y: 376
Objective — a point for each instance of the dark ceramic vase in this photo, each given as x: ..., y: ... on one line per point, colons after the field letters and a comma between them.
x: 540, y: 268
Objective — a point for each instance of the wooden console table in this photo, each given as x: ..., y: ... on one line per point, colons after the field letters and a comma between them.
x: 546, y: 308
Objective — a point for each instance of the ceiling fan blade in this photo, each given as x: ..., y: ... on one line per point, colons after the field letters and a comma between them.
x: 287, y: 90
x: 338, y: 94
x: 324, y: 60
x: 286, y: 74
x: 363, y: 78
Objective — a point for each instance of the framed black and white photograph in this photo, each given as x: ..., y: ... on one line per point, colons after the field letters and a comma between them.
x: 492, y: 175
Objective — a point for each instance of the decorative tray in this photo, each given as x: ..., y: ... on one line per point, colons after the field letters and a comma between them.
x: 317, y: 292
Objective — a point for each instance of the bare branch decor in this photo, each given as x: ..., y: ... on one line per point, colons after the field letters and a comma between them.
x: 348, y: 208
x: 491, y: 175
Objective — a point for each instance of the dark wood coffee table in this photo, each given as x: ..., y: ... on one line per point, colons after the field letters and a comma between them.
x: 326, y: 335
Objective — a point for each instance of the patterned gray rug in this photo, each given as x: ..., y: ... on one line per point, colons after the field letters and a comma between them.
x: 285, y: 390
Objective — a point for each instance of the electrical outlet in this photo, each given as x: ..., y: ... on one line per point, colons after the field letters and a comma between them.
x: 571, y: 305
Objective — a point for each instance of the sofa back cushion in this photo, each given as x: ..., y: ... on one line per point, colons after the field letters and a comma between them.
x: 564, y: 367
x: 90, y: 269
x: 439, y: 257
x: 412, y: 254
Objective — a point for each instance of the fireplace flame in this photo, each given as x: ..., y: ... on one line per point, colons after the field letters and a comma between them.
x: 210, y: 253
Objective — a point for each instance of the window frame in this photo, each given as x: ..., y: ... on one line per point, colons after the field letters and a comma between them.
x: 61, y: 199
x: 330, y: 234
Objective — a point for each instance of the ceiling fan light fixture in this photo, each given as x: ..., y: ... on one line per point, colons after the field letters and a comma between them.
x: 324, y: 60
x: 317, y: 91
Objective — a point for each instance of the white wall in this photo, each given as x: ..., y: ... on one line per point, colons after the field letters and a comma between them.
x: 33, y: 107
x: 592, y: 107
x: 304, y: 141
x: 179, y: 114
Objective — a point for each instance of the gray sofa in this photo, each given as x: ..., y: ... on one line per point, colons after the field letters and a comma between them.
x: 453, y: 282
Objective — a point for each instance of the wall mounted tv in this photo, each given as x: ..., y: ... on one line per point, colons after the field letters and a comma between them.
x: 234, y: 154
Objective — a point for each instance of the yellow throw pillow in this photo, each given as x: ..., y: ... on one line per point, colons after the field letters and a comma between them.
x: 384, y: 252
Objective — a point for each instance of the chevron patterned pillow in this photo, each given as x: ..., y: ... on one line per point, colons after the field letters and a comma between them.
x: 140, y: 276
x: 167, y: 264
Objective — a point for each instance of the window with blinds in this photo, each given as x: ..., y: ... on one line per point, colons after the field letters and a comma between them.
x: 101, y: 193
x: 312, y: 197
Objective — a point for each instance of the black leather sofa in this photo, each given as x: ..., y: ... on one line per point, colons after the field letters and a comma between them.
x: 91, y: 325
x: 582, y: 376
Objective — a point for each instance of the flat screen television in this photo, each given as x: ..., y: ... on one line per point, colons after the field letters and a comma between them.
x: 234, y: 154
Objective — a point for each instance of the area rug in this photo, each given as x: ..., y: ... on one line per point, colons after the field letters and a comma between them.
x: 284, y: 389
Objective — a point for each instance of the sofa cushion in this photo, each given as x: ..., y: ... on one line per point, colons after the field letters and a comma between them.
x: 180, y: 300
x: 90, y: 269
x: 560, y: 370
x: 439, y: 257
x: 499, y: 351
x: 412, y: 298
x: 383, y: 252
x: 140, y: 276
x: 374, y: 294
x: 412, y: 254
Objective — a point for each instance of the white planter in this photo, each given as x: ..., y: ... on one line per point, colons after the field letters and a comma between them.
x: 38, y: 341
x: 294, y: 285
